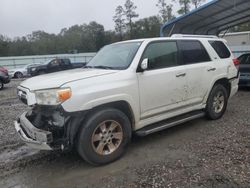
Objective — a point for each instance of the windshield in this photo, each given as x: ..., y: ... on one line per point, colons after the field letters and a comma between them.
x: 115, y: 56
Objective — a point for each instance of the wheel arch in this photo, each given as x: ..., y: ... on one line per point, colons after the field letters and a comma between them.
x: 121, y: 105
x: 224, y: 82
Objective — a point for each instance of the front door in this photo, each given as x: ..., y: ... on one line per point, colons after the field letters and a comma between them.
x: 54, y: 66
x: 162, y: 85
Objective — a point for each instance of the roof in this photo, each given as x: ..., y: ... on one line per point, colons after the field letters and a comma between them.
x: 210, y: 19
x: 174, y: 37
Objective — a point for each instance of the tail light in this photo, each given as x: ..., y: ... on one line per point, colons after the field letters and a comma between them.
x: 236, y: 62
x: 3, y: 70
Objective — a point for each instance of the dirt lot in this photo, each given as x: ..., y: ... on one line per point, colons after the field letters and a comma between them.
x: 200, y: 153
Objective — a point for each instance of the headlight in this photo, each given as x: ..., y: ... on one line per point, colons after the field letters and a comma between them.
x: 33, y: 69
x: 52, y: 96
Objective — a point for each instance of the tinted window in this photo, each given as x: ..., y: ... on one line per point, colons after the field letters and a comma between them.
x: 66, y: 61
x: 54, y: 63
x: 244, y: 59
x: 220, y: 49
x: 193, y: 52
x: 161, y: 55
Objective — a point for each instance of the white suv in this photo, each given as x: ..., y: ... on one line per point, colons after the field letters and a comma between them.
x: 138, y: 86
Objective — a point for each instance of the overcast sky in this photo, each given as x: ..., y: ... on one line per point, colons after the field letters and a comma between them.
x: 21, y: 17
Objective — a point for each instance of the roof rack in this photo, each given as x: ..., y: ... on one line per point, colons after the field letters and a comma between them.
x: 193, y: 36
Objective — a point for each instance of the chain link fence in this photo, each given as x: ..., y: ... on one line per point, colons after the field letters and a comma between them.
x: 19, y: 61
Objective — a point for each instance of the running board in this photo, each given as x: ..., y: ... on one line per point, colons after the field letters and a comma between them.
x: 169, y: 123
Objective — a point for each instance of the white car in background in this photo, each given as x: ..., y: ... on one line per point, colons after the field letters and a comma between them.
x: 21, y: 72
x: 139, y: 86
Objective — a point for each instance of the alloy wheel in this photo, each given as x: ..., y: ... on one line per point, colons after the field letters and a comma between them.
x: 107, y: 137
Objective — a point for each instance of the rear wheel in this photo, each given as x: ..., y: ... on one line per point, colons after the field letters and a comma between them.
x: 217, y: 102
x: 18, y: 75
x: 1, y: 85
x: 104, y: 136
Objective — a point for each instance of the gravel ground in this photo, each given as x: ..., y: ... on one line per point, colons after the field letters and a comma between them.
x: 199, y: 153
x: 10, y: 109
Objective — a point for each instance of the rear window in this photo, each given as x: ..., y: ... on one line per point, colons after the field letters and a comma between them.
x: 193, y: 52
x: 244, y: 59
x: 220, y: 49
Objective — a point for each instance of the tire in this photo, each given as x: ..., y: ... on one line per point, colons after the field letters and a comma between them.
x: 217, y: 102
x: 94, y: 146
x: 18, y: 75
x: 1, y: 85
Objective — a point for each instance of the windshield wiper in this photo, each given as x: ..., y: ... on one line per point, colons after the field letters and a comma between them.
x: 102, y: 67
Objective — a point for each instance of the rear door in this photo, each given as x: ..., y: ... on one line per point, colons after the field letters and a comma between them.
x: 199, y: 68
x: 65, y: 64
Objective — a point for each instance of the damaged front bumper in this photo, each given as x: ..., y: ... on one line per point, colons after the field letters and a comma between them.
x: 49, y: 127
x: 32, y: 136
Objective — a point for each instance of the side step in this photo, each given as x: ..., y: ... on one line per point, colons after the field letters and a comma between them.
x: 169, y: 123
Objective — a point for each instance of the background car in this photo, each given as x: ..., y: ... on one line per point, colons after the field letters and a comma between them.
x: 4, y: 77
x: 244, y: 70
x: 21, y: 71
x: 54, y: 65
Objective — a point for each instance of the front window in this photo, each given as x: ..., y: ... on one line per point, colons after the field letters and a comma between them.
x: 161, y: 55
x: 115, y: 56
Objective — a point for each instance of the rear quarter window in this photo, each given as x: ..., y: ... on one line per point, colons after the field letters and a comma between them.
x: 221, y: 49
x: 192, y: 51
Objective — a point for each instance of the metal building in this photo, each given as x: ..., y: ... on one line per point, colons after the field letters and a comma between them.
x: 210, y: 19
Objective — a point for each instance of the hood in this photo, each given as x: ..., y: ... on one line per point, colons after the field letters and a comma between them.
x: 55, y: 80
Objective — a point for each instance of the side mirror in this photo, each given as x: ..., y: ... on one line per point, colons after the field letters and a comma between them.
x: 144, y: 64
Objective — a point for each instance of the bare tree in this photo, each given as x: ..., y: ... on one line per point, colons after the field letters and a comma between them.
x: 197, y: 3
x: 119, y: 21
x: 185, y: 6
x: 165, y: 10
x: 130, y: 14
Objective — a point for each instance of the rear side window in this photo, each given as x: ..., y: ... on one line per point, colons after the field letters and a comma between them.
x: 220, y: 49
x: 66, y: 61
x: 244, y: 59
x: 161, y: 55
x: 193, y: 52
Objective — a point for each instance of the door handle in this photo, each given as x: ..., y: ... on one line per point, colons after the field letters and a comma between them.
x: 180, y: 75
x: 211, y: 69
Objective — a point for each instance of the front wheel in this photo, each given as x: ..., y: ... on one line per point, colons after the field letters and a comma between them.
x: 217, y: 102
x: 104, y: 136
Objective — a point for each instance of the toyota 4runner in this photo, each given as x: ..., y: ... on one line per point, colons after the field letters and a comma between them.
x: 138, y: 86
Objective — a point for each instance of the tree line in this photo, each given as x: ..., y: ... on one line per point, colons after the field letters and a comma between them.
x: 92, y: 36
